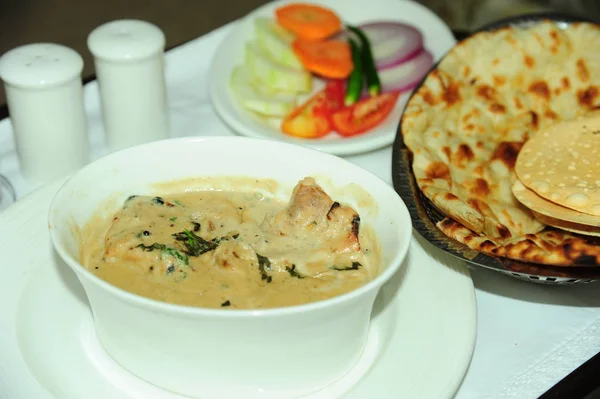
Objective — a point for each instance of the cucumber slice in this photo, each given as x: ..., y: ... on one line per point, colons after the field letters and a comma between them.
x: 276, y: 42
x: 253, y: 96
x: 274, y: 75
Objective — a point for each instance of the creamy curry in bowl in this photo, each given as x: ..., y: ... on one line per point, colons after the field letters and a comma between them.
x: 233, y: 249
x: 230, y: 267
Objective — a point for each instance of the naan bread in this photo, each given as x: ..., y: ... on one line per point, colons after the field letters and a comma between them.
x: 468, y: 121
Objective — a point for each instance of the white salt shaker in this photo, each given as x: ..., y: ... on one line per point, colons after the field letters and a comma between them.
x: 44, y: 95
x: 129, y: 60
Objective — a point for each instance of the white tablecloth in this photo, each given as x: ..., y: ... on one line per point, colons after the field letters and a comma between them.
x: 529, y: 336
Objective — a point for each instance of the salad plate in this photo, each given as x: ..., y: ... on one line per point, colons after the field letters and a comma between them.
x: 49, y: 348
x: 437, y: 38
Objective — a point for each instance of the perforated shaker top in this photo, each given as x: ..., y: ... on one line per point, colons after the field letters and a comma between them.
x: 126, y: 40
x: 40, y: 65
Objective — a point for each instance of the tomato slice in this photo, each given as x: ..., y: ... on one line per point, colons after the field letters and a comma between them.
x: 364, y: 115
x: 335, y: 91
x: 313, y: 118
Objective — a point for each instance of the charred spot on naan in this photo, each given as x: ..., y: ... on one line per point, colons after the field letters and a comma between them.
x: 466, y: 71
x: 497, y: 108
x: 480, y: 206
x: 452, y: 94
x: 428, y: 96
x: 438, y: 170
x: 503, y: 231
x: 463, y: 155
x: 579, y: 251
x: 583, y: 73
x: 588, y: 97
x: 477, y: 188
x: 487, y: 92
x: 535, y: 119
x: 507, y: 152
x: 529, y: 61
x: 518, y: 103
x: 550, y: 114
x: 540, y: 88
x: 499, y: 80
x: 447, y: 152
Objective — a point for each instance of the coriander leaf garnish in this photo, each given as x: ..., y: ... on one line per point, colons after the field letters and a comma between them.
x: 165, y: 251
x: 155, y: 246
x: 292, y: 271
x: 195, y: 245
x: 264, y: 264
x: 176, y: 254
x: 355, y: 266
x: 158, y: 201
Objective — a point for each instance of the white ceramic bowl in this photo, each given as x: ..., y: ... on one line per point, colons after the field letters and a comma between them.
x: 213, y: 353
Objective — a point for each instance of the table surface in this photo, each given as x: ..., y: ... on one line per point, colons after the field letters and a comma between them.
x: 529, y: 336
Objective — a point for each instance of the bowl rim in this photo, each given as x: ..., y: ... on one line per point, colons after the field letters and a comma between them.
x: 394, y: 264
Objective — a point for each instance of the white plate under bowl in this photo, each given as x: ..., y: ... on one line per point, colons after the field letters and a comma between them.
x: 423, y: 328
x: 438, y: 40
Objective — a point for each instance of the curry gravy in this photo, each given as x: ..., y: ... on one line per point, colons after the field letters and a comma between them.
x: 228, y: 249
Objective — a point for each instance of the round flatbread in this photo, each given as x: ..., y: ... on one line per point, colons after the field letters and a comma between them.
x: 562, y: 164
x: 568, y: 226
x: 466, y: 124
x: 547, y: 208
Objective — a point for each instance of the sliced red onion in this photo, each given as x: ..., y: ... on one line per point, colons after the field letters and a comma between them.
x: 391, y: 42
x: 406, y: 75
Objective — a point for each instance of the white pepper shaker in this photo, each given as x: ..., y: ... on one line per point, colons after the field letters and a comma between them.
x: 44, y: 95
x: 129, y: 60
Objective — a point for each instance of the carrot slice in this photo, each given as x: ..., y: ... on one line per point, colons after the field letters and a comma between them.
x: 331, y: 58
x: 308, y: 21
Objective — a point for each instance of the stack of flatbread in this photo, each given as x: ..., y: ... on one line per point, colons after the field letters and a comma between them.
x: 558, y: 175
x: 492, y: 97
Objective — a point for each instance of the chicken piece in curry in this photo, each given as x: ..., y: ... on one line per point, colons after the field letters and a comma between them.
x: 228, y: 249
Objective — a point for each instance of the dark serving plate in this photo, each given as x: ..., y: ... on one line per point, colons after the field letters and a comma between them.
x: 425, y: 215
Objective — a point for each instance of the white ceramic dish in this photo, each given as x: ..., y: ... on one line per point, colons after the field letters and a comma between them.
x: 438, y: 40
x: 49, y: 349
x: 229, y: 353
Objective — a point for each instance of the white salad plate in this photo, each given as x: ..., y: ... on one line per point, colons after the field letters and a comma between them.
x: 438, y: 39
x: 421, y: 337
